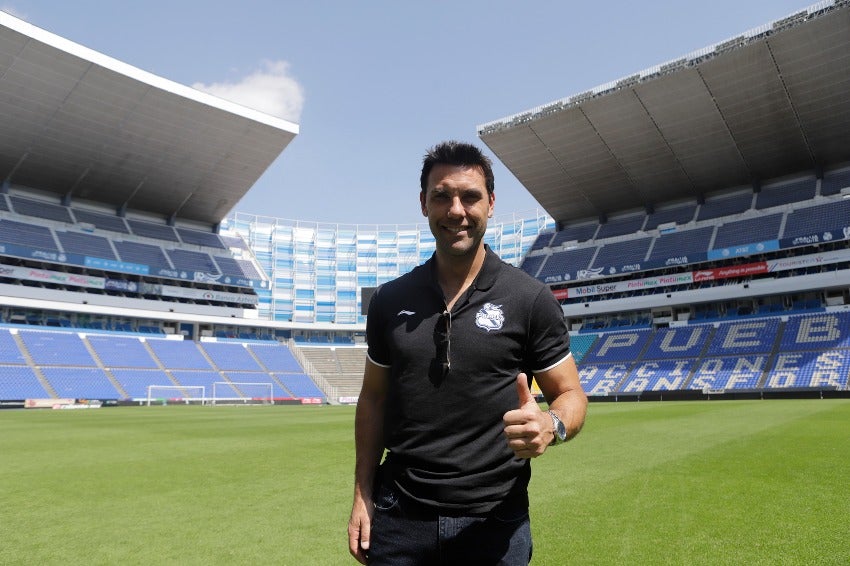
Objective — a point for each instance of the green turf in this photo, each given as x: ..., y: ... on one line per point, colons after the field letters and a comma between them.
x: 719, y: 482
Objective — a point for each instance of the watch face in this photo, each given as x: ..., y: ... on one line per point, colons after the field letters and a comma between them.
x: 561, y: 430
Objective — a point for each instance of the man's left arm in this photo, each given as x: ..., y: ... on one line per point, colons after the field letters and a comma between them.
x: 529, y: 429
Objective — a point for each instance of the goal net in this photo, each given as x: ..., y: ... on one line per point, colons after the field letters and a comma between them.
x: 177, y: 394
x: 241, y: 393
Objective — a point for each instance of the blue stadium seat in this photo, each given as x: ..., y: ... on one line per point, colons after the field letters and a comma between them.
x: 230, y: 356
x: 9, y: 351
x: 179, y: 354
x: 121, y: 352
x: 81, y: 383
x: 20, y: 382
x: 276, y: 358
x: 748, y: 231
x: 56, y: 348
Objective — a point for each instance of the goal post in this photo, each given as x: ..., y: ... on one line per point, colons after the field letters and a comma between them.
x: 242, y: 393
x: 182, y: 394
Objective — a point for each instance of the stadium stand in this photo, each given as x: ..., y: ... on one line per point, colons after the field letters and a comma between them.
x: 720, y: 267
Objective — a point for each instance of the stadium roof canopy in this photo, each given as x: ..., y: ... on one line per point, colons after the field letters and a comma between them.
x: 768, y: 103
x: 85, y: 126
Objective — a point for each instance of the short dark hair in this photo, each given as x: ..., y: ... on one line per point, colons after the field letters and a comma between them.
x: 457, y: 153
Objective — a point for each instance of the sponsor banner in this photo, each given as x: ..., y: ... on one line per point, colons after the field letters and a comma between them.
x: 311, y: 400
x: 56, y: 277
x: 745, y: 270
x: 348, y: 400
x: 121, y: 285
x: 47, y: 403
x: 642, y: 266
x: 842, y: 233
x: 744, y: 249
x: 12, y: 403
x: 624, y: 286
x: 113, y: 265
x: 203, y: 277
x: 812, y: 260
x: 689, y: 259
x: 33, y: 253
x: 206, y: 295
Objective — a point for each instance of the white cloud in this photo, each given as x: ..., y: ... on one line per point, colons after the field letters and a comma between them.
x: 270, y: 89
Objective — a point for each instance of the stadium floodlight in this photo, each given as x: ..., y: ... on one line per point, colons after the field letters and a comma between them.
x: 177, y: 394
x: 242, y: 393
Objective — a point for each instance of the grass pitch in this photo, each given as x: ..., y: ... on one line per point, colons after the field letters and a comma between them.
x: 717, y: 482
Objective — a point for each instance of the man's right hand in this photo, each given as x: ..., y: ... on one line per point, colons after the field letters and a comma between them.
x: 359, y: 529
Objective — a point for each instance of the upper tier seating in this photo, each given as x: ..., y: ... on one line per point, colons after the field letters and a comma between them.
x: 675, y: 244
x: 621, y: 226
x: 748, y: 231
x: 726, y: 205
x: 144, y: 254
x: 679, y: 215
x: 234, y: 242
x: 834, y: 181
x: 567, y: 262
x: 30, y: 235
x: 541, y: 241
x: 199, y: 238
x: 622, y: 253
x: 532, y: 263
x: 151, y: 230
x: 814, y: 219
x: 797, y: 191
x: 194, y: 261
x: 101, y: 221
x: 232, y: 267
x: 579, y: 233
x: 41, y: 209
x: 85, y: 244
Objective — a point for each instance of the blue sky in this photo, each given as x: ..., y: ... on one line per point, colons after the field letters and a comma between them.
x: 373, y: 84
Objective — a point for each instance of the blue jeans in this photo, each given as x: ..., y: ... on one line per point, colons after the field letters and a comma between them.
x: 406, y: 534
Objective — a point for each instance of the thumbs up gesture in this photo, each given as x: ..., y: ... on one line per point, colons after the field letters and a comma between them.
x: 527, y: 429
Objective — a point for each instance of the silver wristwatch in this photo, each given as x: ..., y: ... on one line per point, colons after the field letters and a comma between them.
x: 560, y: 429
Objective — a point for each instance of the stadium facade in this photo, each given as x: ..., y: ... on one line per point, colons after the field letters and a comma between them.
x: 317, y: 270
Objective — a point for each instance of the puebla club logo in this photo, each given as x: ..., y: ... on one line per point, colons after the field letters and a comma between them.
x: 490, y: 317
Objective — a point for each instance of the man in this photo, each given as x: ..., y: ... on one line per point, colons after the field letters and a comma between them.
x: 446, y: 389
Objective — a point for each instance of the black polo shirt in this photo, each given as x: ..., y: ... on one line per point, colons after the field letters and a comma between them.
x: 443, y: 429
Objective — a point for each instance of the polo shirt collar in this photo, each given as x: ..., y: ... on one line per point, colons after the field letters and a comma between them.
x: 483, y: 281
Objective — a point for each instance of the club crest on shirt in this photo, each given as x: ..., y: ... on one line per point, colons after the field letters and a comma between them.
x: 490, y: 317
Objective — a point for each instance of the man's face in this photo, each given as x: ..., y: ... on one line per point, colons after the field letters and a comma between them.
x: 457, y: 206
